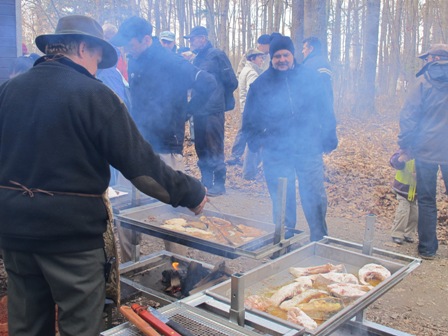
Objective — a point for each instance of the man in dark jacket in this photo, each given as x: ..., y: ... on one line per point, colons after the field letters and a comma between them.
x: 159, y: 82
x: 209, y: 118
x: 55, y: 150
x: 286, y: 117
x: 423, y: 136
x: 315, y: 60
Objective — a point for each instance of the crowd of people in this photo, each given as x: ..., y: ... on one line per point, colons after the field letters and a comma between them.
x: 92, y: 116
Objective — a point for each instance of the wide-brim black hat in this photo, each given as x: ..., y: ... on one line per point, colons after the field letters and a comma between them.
x: 85, y: 27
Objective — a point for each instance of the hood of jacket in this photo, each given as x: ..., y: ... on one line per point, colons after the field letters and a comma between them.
x: 435, y: 71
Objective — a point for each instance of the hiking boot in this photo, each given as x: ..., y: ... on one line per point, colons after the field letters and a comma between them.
x: 216, y: 190
x: 396, y: 240
x: 408, y: 239
x: 427, y: 256
x: 234, y: 162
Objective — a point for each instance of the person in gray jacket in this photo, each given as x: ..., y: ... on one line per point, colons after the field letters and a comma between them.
x: 423, y: 136
x: 248, y: 74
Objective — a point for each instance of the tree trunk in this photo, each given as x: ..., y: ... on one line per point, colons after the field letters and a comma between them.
x: 297, y: 26
x: 335, y: 55
x: 210, y: 19
x: 366, y: 96
x: 183, y: 26
x: 427, y: 25
x: 383, y: 58
x: 315, y: 20
x: 395, y: 67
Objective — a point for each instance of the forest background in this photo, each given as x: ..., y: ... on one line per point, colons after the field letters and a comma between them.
x: 372, y: 44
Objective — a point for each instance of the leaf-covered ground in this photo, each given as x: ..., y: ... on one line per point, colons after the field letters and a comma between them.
x: 358, y: 174
x: 358, y: 179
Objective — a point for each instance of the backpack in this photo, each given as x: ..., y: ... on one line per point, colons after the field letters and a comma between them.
x: 228, y: 79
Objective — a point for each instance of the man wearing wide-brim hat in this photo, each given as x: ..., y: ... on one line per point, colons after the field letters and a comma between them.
x: 60, y: 129
x: 423, y: 130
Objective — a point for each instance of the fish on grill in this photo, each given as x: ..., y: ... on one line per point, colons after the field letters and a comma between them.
x: 373, y: 274
x: 215, y: 229
x: 287, y: 292
x: 303, y: 297
x: 257, y: 302
x: 299, y: 271
x: 321, y: 281
x: 296, y: 315
x: 348, y: 292
x: 306, y: 280
x: 322, y: 308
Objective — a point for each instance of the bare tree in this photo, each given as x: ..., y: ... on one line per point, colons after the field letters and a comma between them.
x: 298, y: 14
x: 366, y: 93
x: 315, y: 20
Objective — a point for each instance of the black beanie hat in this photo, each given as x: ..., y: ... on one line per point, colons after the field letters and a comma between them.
x: 279, y: 43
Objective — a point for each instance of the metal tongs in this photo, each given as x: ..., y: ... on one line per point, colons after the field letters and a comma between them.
x: 224, y: 216
x: 217, y: 228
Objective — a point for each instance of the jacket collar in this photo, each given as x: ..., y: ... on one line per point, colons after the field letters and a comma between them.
x: 203, y: 51
x: 65, y: 61
x: 282, y: 74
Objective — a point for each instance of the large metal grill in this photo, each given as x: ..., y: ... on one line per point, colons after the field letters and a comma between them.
x: 260, y: 247
x: 329, y: 250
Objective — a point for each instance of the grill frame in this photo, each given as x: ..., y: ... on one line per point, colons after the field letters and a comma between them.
x: 136, y: 219
x: 332, y: 250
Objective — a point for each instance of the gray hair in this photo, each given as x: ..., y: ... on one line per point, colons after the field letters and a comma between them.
x: 67, y: 45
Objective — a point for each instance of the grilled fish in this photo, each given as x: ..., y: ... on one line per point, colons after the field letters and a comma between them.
x: 348, y: 292
x: 257, y: 302
x: 323, y: 280
x: 287, y: 292
x: 303, y: 297
x: 306, y: 280
x: 373, y: 274
x: 323, y: 308
x: 297, y: 316
x: 299, y: 271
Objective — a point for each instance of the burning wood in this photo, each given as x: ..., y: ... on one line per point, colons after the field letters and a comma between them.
x: 184, y: 280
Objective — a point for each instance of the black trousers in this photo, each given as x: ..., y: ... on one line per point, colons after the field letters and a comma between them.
x: 209, y: 145
x: 73, y: 281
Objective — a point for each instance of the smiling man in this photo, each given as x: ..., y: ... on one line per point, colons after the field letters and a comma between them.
x: 286, y: 118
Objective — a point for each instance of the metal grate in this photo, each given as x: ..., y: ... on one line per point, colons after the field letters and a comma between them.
x: 201, y: 329
x: 125, y: 329
x: 198, y: 321
x: 202, y: 323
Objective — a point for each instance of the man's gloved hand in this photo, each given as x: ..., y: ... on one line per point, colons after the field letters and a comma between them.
x: 201, y: 206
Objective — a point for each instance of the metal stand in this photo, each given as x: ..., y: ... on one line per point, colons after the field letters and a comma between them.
x: 279, y: 233
x: 237, y: 312
x: 367, y: 249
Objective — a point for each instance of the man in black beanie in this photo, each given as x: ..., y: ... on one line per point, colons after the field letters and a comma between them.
x: 286, y: 118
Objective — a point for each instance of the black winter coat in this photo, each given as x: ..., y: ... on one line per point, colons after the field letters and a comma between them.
x: 285, y: 113
x: 213, y: 61
x: 60, y: 128
x: 159, y: 81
